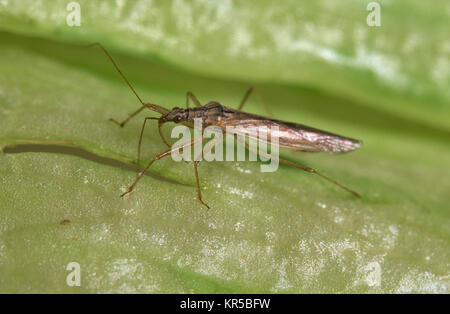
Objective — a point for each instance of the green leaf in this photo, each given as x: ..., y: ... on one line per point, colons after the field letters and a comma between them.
x: 286, y: 231
x: 401, y: 67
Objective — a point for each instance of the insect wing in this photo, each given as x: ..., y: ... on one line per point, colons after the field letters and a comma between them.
x: 290, y: 135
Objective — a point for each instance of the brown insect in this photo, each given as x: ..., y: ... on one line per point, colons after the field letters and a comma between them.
x: 291, y: 135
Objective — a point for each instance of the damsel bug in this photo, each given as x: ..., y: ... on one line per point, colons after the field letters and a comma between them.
x: 291, y: 135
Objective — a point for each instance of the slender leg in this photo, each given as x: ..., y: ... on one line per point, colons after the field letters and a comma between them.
x: 205, y: 150
x: 160, y: 124
x: 199, y: 193
x: 255, y: 92
x: 304, y: 168
x: 244, y: 99
x: 140, y: 139
x: 157, y: 157
x: 122, y: 124
x: 156, y: 108
x: 152, y: 107
x: 310, y: 170
x: 197, y: 104
x: 194, y: 99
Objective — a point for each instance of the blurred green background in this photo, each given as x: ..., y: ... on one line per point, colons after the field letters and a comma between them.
x: 316, y: 63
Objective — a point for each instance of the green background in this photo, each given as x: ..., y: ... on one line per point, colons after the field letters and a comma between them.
x: 318, y: 64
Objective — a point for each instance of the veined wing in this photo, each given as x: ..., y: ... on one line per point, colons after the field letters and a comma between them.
x: 290, y: 135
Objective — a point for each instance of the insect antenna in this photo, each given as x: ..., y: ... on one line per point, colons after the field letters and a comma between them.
x: 118, y: 70
x: 153, y: 107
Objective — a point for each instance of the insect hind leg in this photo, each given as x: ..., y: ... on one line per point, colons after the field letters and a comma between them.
x: 304, y: 168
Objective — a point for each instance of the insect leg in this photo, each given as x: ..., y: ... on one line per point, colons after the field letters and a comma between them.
x: 157, y: 157
x: 140, y: 138
x: 304, y: 168
x: 122, y: 124
x: 311, y: 170
x: 197, y: 160
x: 194, y: 99
x: 255, y: 92
x: 152, y: 107
x: 199, y: 193
x: 160, y: 124
x: 244, y: 99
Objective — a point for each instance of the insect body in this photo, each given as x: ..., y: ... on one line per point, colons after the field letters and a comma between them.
x: 290, y: 135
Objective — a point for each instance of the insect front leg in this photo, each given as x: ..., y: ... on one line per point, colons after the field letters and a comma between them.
x: 157, y: 157
x: 122, y: 124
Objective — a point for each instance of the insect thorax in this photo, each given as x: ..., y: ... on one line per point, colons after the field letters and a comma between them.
x: 209, y: 113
